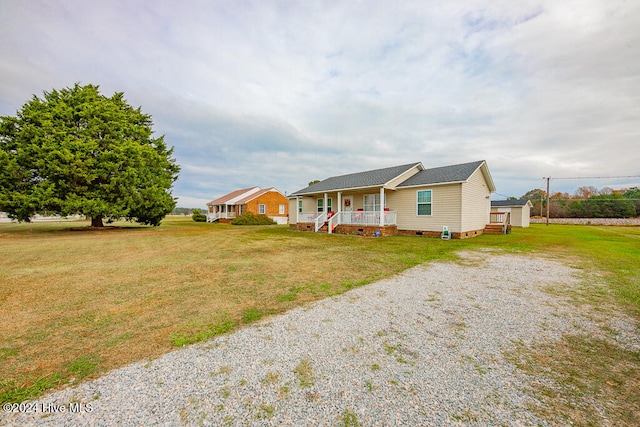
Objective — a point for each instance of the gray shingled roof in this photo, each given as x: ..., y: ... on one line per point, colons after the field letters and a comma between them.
x: 365, y: 179
x: 454, y: 173
x: 506, y: 203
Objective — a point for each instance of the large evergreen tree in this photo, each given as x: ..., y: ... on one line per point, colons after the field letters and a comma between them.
x: 76, y: 151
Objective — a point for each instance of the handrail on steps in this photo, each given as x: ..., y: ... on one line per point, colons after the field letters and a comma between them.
x: 506, y: 222
x: 320, y: 220
x: 330, y: 224
x: 502, y: 218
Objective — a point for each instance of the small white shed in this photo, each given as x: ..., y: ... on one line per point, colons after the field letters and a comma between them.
x: 520, y: 210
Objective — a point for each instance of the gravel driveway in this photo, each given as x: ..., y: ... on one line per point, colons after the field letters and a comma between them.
x: 422, y: 348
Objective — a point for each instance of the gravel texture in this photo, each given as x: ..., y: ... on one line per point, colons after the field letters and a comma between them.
x: 422, y: 348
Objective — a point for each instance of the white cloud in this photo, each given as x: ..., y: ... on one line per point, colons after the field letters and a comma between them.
x: 276, y: 94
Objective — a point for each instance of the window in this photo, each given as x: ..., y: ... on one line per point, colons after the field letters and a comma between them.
x: 372, y: 202
x: 281, y: 210
x: 299, y: 205
x: 262, y: 209
x: 321, y: 205
x: 424, y: 203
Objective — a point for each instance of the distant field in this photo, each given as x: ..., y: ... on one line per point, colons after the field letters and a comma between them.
x: 78, y: 303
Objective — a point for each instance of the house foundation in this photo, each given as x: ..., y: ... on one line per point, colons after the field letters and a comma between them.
x: 438, y: 234
x: 388, y: 230
x: 351, y: 229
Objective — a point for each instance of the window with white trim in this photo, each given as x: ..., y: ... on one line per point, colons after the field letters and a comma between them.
x: 371, y: 203
x: 423, y: 203
x: 281, y: 210
x: 321, y: 205
x: 262, y: 209
x: 299, y: 205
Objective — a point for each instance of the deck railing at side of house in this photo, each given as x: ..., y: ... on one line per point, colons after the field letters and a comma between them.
x: 503, y: 218
x: 497, y: 217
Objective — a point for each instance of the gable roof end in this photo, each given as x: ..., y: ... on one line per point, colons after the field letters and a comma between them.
x: 449, y: 174
x: 231, y: 198
x: 258, y: 194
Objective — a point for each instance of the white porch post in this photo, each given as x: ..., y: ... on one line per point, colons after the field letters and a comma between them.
x: 326, y: 200
x: 381, y: 206
x: 297, y: 209
x: 339, y: 201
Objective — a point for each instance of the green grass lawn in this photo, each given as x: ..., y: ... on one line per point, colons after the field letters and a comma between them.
x: 78, y: 303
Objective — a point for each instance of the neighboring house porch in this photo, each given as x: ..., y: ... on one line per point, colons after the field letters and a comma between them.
x: 254, y: 200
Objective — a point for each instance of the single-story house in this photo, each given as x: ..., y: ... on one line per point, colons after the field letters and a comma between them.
x: 256, y: 200
x: 519, y: 210
x: 406, y: 199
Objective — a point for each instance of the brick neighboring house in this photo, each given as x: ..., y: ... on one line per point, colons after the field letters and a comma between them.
x: 256, y: 200
x: 406, y: 199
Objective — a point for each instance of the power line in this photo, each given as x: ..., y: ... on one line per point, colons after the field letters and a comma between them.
x: 578, y: 200
x: 596, y: 177
x: 503, y: 195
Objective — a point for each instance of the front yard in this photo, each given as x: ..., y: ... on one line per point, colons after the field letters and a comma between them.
x: 79, y: 303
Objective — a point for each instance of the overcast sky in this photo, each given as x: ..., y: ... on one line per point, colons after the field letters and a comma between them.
x: 278, y: 93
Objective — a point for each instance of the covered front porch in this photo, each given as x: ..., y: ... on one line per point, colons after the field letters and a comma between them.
x: 222, y: 212
x: 358, y: 222
x: 346, y: 213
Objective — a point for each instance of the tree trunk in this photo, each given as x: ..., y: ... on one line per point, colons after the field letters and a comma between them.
x: 96, y: 221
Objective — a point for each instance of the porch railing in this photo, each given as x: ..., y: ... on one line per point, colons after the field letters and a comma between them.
x: 307, y: 216
x: 319, y: 221
x: 497, y: 217
x: 503, y: 218
x: 367, y: 217
x: 211, y: 217
x: 356, y: 217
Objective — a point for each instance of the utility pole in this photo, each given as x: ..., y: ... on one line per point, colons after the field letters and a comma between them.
x: 547, y: 178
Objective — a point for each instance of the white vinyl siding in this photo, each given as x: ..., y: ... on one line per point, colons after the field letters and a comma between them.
x: 476, y: 202
x: 445, y: 211
x: 308, y: 204
x: 292, y: 206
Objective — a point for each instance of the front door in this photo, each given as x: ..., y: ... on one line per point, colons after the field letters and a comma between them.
x: 347, y: 204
